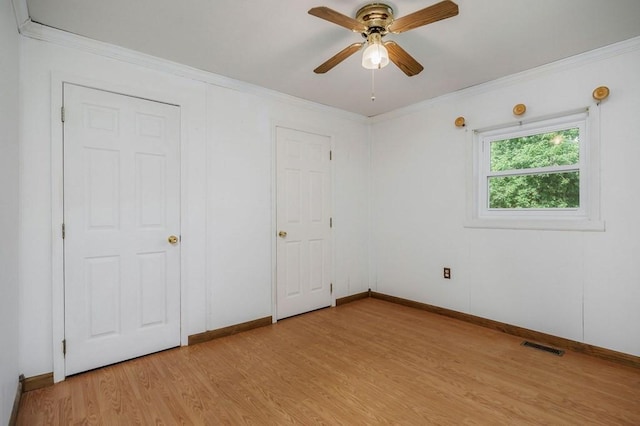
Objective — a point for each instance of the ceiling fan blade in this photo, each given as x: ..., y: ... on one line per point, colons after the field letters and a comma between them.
x: 338, y: 18
x: 443, y: 10
x: 338, y: 57
x: 402, y: 59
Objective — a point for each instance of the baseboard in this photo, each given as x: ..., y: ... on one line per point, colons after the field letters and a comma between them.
x: 352, y: 298
x: 13, y: 420
x: 37, y: 382
x: 595, y: 351
x: 228, y: 331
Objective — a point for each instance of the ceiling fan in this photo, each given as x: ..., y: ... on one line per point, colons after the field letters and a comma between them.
x: 376, y: 20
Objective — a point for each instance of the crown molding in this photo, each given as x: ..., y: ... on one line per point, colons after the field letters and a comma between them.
x: 41, y: 32
x: 21, y: 13
x: 49, y: 34
x: 602, y: 53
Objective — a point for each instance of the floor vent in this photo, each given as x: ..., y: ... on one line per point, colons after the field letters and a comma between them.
x: 539, y: 347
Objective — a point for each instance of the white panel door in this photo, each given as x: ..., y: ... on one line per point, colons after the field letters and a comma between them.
x: 303, y: 258
x: 121, y: 205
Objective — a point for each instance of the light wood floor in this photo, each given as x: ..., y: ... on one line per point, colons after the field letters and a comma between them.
x: 366, y: 362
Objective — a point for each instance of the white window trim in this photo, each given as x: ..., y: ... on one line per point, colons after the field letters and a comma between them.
x: 585, y: 218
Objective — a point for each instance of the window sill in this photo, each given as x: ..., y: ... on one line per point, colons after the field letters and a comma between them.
x: 537, y: 224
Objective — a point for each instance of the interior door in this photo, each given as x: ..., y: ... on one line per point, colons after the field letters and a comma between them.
x: 121, y: 226
x: 304, y: 244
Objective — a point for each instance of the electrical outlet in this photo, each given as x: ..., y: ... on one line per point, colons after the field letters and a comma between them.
x: 446, y: 273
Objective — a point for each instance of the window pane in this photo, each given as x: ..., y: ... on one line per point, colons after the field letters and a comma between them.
x: 559, y: 148
x: 540, y: 191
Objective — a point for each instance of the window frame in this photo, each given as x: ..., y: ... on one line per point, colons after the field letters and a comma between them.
x: 585, y: 217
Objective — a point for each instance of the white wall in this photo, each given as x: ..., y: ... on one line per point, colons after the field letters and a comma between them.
x: 578, y: 285
x: 227, y: 189
x: 9, y: 219
x: 240, y: 174
x: 583, y: 286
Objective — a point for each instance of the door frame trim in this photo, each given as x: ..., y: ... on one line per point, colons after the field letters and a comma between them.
x: 274, y: 205
x: 57, y: 201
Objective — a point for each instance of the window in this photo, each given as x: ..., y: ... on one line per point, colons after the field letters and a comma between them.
x: 538, y: 175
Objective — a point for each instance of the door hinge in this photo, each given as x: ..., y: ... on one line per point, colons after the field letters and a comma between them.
x: 64, y: 347
x: 64, y: 231
x: 62, y: 114
x: 330, y: 222
x: 331, y: 288
x: 330, y: 155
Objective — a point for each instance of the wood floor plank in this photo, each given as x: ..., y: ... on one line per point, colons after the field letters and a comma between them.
x: 366, y: 362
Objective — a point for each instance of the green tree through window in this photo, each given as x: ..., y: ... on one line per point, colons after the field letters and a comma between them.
x: 524, y: 183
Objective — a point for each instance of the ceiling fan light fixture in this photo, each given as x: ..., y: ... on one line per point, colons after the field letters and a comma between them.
x: 375, y: 56
x: 376, y: 20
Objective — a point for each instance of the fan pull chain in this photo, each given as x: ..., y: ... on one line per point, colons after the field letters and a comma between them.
x: 373, y: 87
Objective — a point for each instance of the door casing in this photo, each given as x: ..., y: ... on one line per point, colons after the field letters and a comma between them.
x: 57, y: 206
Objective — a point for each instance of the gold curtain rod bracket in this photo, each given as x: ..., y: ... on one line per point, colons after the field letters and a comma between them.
x: 519, y: 109
x: 600, y: 93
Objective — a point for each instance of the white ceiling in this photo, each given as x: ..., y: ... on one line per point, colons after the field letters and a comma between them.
x: 276, y: 44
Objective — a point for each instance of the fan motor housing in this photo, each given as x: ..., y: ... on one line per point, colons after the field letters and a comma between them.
x: 376, y: 17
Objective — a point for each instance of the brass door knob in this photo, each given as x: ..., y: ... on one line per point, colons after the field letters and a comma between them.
x: 282, y: 234
x: 172, y: 239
